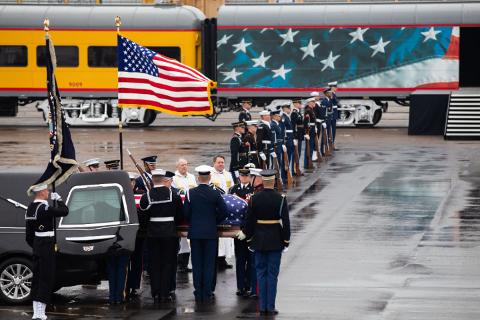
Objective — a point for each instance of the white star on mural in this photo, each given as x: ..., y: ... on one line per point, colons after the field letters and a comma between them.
x: 281, y: 72
x: 241, y: 46
x: 288, y: 37
x: 224, y: 40
x: 231, y: 74
x: 357, y: 34
x: 379, y: 47
x: 329, y: 62
x: 309, y: 49
x: 430, y: 34
x: 260, y: 61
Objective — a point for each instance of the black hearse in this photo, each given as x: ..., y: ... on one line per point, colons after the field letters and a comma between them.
x: 102, y: 221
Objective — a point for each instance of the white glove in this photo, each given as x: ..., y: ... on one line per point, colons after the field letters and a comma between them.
x: 236, y: 174
x: 285, y: 250
x: 284, y: 148
x: 250, y: 249
x: 307, y: 137
x: 324, y: 125
x: 295, y: 142
x: 240, y: 235
x: 262, y: 155
x: 55, y: 197
x: 273, y: 155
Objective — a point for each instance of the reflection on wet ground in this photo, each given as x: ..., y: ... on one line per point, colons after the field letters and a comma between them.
x: 387, y: 229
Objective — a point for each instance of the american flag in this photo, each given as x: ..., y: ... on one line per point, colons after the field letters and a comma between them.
x: 356, y: 57
x: 236, y: 210
x: 148, y: 79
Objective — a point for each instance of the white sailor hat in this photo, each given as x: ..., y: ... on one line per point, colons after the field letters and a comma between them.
x: 255, y: 172
x: 252, y: 122
x: 333, y: 84
x: 249, y: 166
x: 162, y: 173
x: 132, y: 175
x: 268, y: 174
x: 203, y: 170
x: 91, y: 162
x: 39, y: 187
x: 264, y: 113
x: 314, y: 94
x: 310, y: 100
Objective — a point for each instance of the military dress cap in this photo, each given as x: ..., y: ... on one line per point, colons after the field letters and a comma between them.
x: 92, y: 162
x: 297, y: 100
x: 238, y: 124
x: 132, y: 175
x: 162, y: 173
x: 252, y: 122
x: 286, y: 106
x: 310, y: 100
x: 203, y: 170
x: 244, y: 172
x: 327, y: 90
x: 150, y: 159
x: 264, y: 113
x: 314, y: 94
x: 249, y: 166
x: 268, y: 174
x: 40, y: 187
x: 333, y: 84
x: 246, y: 101
x: 255, y: 172
x: 275, y: 112
x: 112, y: 164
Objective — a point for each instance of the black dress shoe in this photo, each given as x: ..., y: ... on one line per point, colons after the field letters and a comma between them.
x: 156, y: 300
x: 273, y: 312
x: 263, y: 313
x: 240, y: 292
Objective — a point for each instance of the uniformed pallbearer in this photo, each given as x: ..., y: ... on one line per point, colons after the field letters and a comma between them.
x: 203, y: 208
x: 250, y: 142
x: 238, y: 151
x: 265, y: 139
x: 268, y: 233
x: 149, y: 164
x: 335, y: 104
x: 164, y: 209
x: 40, y: 235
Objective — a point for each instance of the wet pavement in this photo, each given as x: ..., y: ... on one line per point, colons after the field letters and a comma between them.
x: 389, y: 228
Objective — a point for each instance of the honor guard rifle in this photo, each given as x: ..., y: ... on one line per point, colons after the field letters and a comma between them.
x: 15, y: 203
x: 142, y: 172
x: 287, y: 169
x: 307, y: 153
x: 317, y: 147
x: 296, y: 159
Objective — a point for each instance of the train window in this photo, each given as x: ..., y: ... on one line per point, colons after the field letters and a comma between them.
x: 67, y: 56
x: 105, y: 57
x: 13, y: 56
x: 171, y: 52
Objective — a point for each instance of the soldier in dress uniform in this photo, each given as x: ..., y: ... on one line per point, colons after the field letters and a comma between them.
x: 278, y: 135
x: 327, y: 110
x: 335, y: 104
x: 93, y: 165
x: 298, y: 127
x: 287, y: 125
x: 204, y: 208
x: 112, y: 164
x: 265, y: 139
x: 40, y: 235
x: 243, y: 263
x: 309, y: 123
x: 183, y: 181
x: 268, y: 233
x: 238, y: 151
x: 250, y: 142
x: 318, y: 113
x: 164, y: 210
x: 149, y: 164
x: 245, y: 115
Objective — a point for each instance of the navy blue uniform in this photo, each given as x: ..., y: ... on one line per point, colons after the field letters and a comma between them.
x: 309, y: 123
x: 265, y: 142
x: 298, y: 131
x: 239, y: 156
x: 289, y: 136
x: 268, y: 232
x: 278, y: 135
x: 203, y: 208
x: 328, y: 107
x: 334, y: 115
x: 140, y: 186
x: 244, y: 115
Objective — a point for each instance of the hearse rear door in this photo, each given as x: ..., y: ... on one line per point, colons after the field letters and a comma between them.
x: 102, y: 216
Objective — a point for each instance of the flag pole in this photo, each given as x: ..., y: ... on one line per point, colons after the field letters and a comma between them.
x: 118, y: 23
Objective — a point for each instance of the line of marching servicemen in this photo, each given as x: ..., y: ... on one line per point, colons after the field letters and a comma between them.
x: 263, y: 155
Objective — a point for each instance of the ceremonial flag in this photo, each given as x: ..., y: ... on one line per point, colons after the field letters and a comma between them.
x: 62, y: 157
x: 148, y: 79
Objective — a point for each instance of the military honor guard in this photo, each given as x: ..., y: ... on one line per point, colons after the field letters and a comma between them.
x: 238, y: 150
x: 92, y: 165
x: 287, y: 127
x: 250, y: 142
x: 183, y: 181
x: 40, y: 235
x: 267, y: 232
x: 278, y: 134
x: 327, y: 109
x: 265, y: 139
x: 149, y: 164
x: 335, y: 104
x: 112, y: 164
x: 164, y: 210
x: 298, y: 134
x: 222, y: 180
x: 204, y: 208
x: 309, y: 123
x: 245, y: 115
x: 243, y: 257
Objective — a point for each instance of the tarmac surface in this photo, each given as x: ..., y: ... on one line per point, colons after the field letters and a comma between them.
x: 388, y: 228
